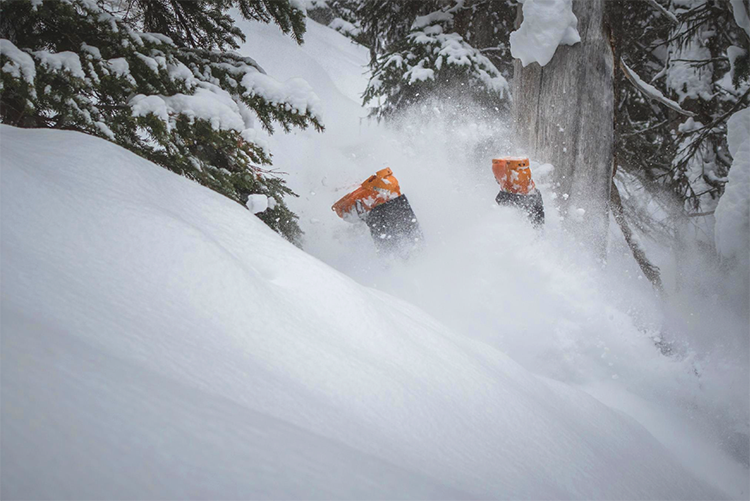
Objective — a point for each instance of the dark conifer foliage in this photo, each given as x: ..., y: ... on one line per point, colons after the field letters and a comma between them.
x: 696, y: 55
x: 385, y: 22
x: 342, y: 16
x: 206, y: 23
x: 432, y: 62
x: 420, y: 50
x: 152, y: 76
x: 437, y: 51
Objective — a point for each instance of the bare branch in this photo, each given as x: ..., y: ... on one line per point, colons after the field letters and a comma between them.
x: 701, y: 214
x: 705, y: 61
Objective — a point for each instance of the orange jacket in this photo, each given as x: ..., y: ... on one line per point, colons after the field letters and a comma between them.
x: 377, y: 189
x: 513, y: 174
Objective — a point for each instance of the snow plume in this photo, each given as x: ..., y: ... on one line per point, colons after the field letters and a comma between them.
x: 546, y: 24
x: 194, y: 353
x: 733, y: 211
x: 263, y: 373
x: 539, y: 297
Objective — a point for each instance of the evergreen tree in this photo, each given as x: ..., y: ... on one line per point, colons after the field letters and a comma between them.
x: 340, y: 15
x: 425, y: 49
x: 487, y: 25
x: 417, y: 54
x: 205, y: 24
x: 384, y: 22
x: 176, y: 97
x: 696, y: 57
x: 706, y: 73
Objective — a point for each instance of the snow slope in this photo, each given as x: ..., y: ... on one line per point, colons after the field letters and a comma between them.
x: 541, y: 299
x: 158, y: 341
x: 202, y: 397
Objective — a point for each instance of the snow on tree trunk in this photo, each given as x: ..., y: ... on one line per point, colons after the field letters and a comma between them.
x: 563, y: 113
x: 733, y: 210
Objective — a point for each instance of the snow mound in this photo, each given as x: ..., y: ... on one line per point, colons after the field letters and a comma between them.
x: 733, y: 210
x: 546, y: 24
x: 159, y: 341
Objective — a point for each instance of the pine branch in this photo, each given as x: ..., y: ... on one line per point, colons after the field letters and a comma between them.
x: 664, y: 12
x: 649, y: 270
x: 693, y: 146
x: 652, y: 93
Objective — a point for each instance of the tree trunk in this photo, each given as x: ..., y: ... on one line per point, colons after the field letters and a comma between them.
x: 564, y: 115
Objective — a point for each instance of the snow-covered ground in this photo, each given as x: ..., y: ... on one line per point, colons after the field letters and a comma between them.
x: 158, y: 341
x: 485, y: 273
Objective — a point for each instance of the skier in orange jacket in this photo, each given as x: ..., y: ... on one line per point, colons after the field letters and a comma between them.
x: 380, y: 204
x: 517, y: 189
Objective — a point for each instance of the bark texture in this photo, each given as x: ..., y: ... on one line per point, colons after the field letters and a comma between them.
x: 564, y: 115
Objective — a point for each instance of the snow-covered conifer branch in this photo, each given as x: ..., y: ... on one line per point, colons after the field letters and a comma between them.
x: 664, y: 12
x: 429, y: 57
x: 196, y: 111
x: 652, y: 92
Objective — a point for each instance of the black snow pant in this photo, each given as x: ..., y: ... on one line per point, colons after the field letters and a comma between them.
x: 530, y: 204
x: 394, y: 227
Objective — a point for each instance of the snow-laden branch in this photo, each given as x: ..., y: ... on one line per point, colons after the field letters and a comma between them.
x: 664, y: 11
x: 652, y: 92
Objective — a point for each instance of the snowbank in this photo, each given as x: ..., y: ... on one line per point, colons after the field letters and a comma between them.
x: 733, y: 211
x: 546, y: 24
x: 160, y: 342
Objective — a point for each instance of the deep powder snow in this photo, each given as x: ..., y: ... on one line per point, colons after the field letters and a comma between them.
x: 159, y: 341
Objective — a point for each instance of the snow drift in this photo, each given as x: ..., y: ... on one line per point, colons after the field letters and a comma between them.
x: 159, y: 341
